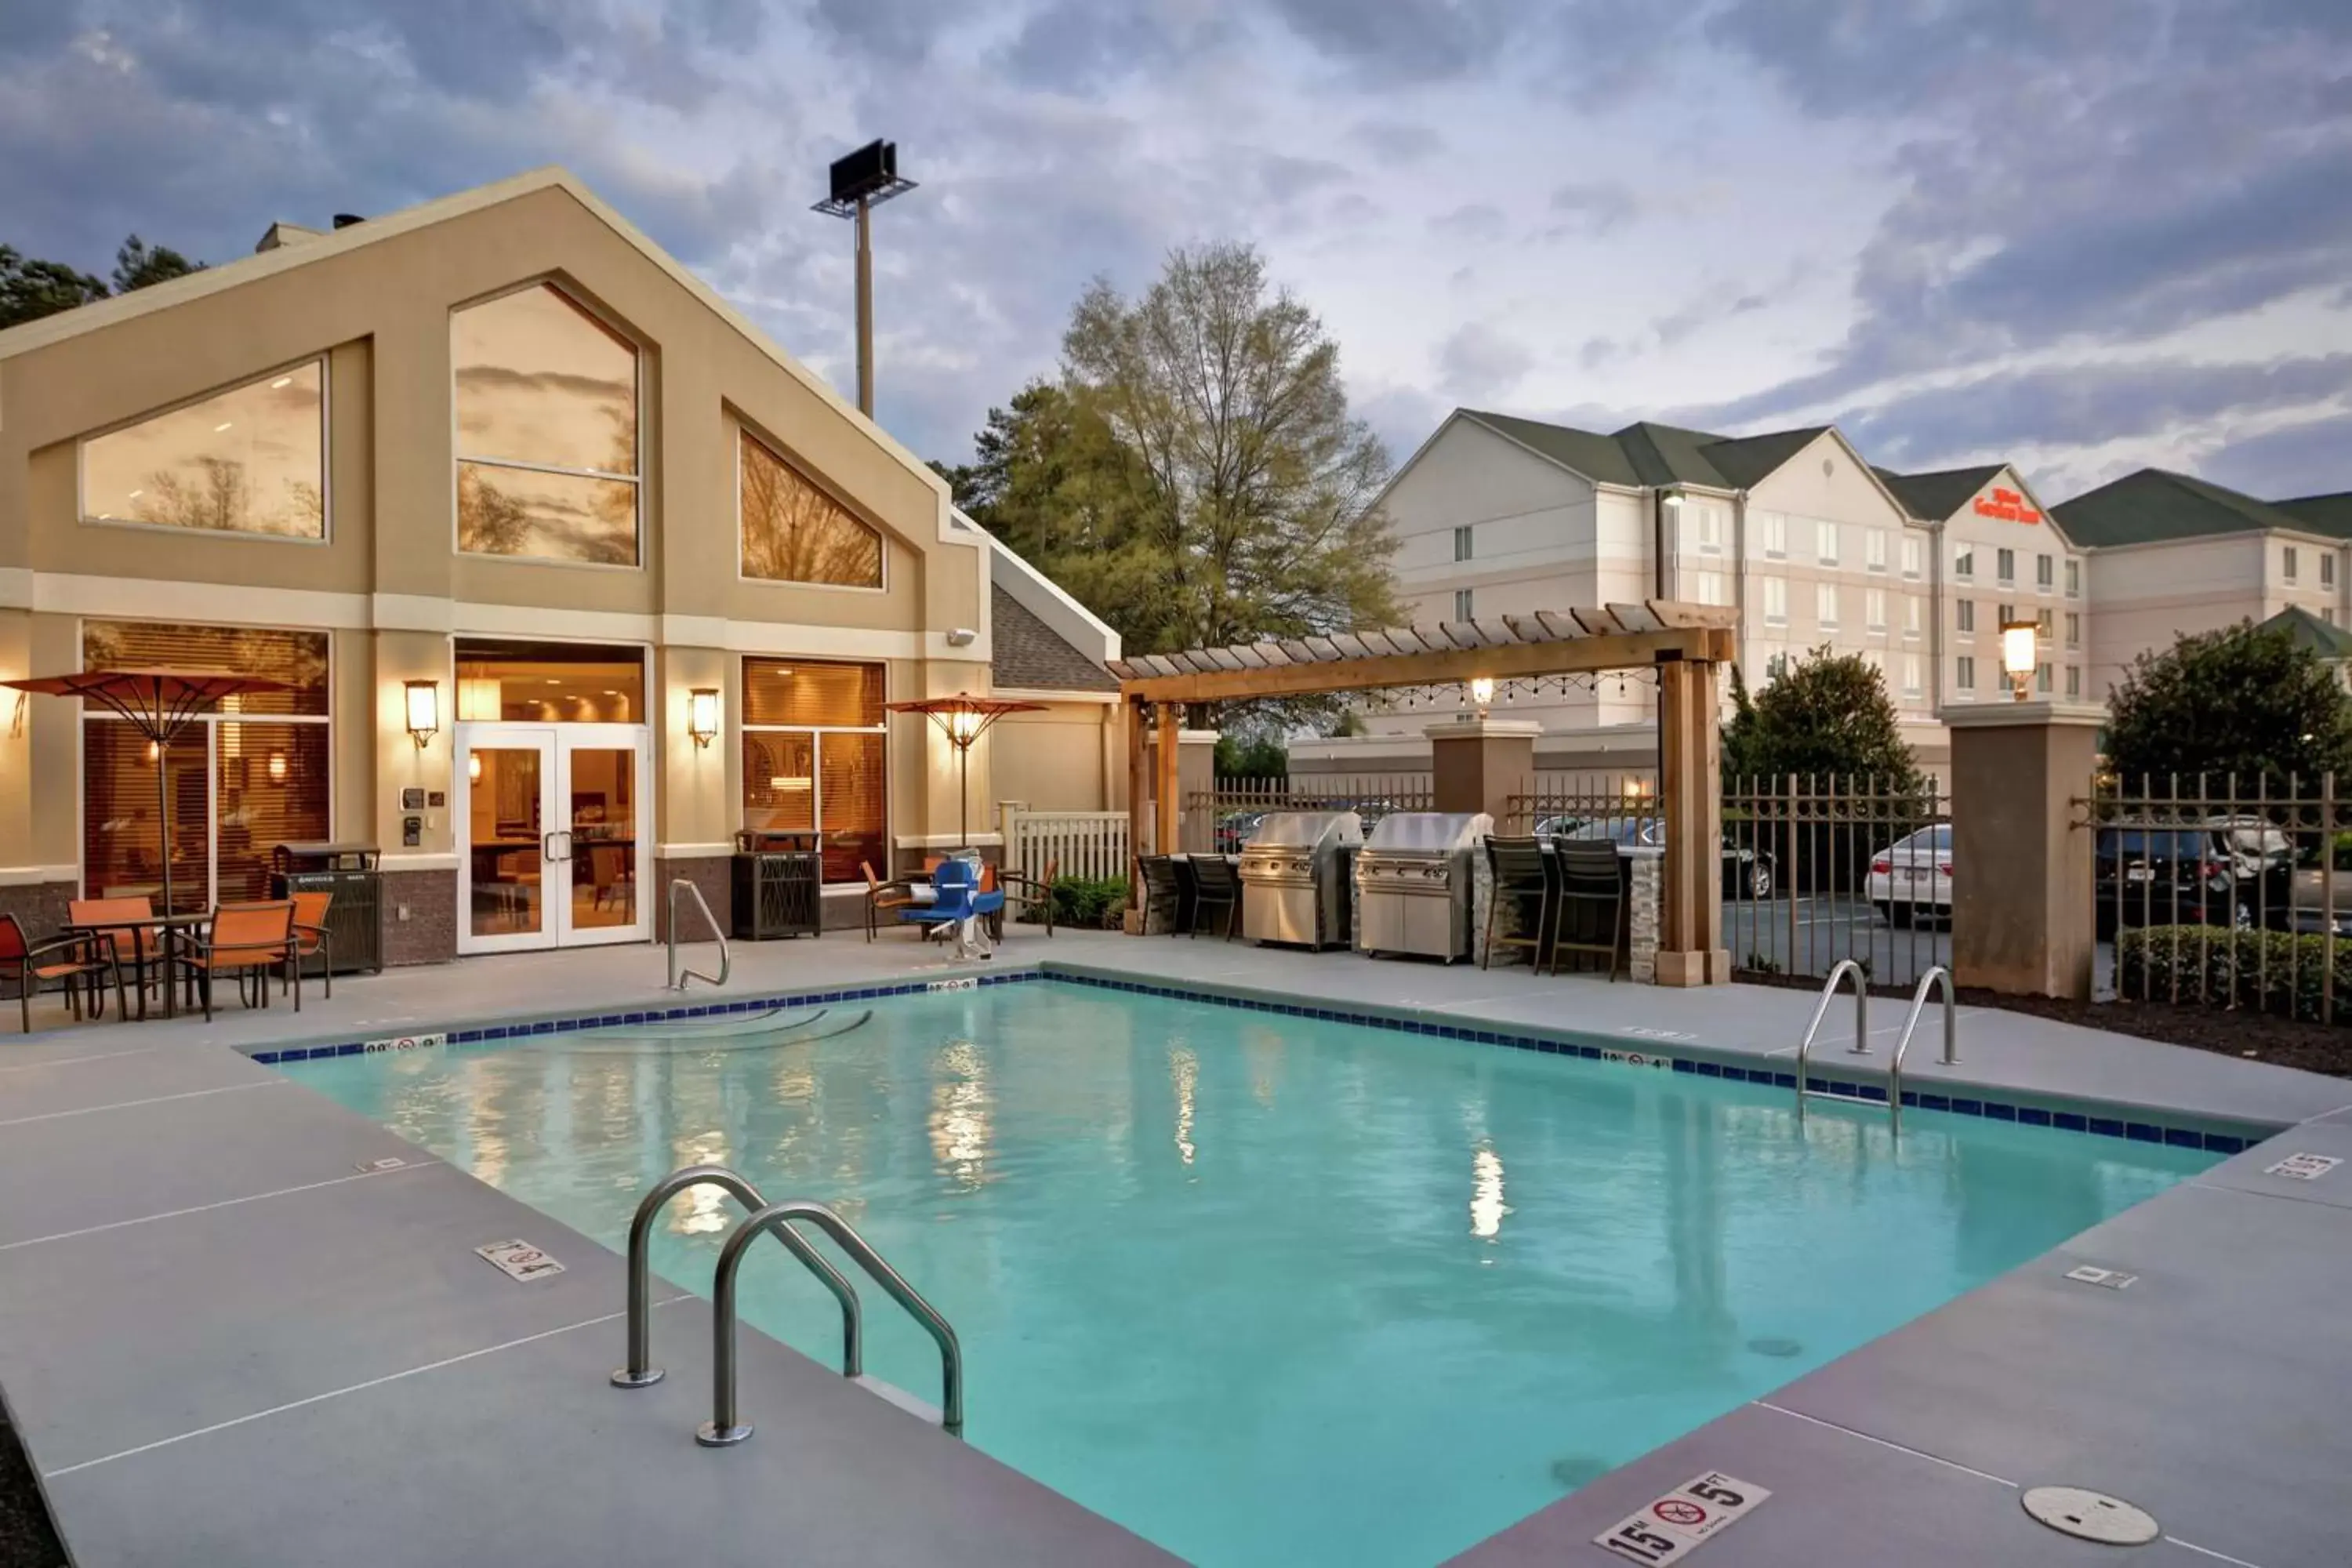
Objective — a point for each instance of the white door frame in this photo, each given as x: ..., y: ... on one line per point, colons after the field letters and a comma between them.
x: 556, y: 744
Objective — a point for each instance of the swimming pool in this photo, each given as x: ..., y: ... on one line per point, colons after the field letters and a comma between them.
x: 1271, y: 1290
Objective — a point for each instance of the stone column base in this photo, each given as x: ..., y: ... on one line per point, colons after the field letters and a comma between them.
x: 39, y: 907
x: 1703, y: 968
x: 710, y: 875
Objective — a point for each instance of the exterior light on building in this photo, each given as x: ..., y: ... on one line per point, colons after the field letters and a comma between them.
x: 154, y: 751
x: 277, y: 767
x: 964, y: 726
x: 1482, y: 693
x: 423, y: 712
x: 702, y: 714
x: 473, y: 767
x: 2020, y: 652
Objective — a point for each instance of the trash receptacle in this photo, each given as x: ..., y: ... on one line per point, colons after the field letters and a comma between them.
x: 774, y: 885
x: 355, y: 917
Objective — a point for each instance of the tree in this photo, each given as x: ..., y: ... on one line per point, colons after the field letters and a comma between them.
x: 31, y: 288
x: 1194, y: 477
x: 137, y: 264
x: 1739, y: 735
x: 1263, y: 757
x: 1828, y: 716
x: 2240, y: 700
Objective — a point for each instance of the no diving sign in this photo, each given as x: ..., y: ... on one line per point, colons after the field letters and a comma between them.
x: 1667, y: 1530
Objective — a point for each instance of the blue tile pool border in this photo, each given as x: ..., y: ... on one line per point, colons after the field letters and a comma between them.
x: 2093, y: 1119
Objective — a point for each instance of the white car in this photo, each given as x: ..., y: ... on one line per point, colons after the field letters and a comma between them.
x: 1912, y: 878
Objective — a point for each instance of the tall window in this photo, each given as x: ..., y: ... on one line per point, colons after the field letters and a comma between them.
x: 1772, y: 534
x: 1913, y: 555
x: 1912, y: 675
x: 815, y: 757
x: 249, y: 774
x: 1462, y: 543
x: 1826, y: 539
x: 2074, y: 680
x: 1776, y: 601
x: 2326, y: 569
x: 2073, y: 579
x: 2005, y: 566
x: 1964, y: 672
x: 2043, y: 568
x: 2289, y: 563
x: 1874, y: 549
x: 1712, y: 588
x: 1706, y: 526
x: 546, y: 431
x: 1874, y: 609
x: 2048, y: 623
x: 1964, y: 561
x: 247, y: 460
x: 2042, y: 678
x: 1964, y: 612
x: 1462, y: 604
x: 794, y: 531
x: 2073, y: 628
x: 1913, y: 608
x: 1825, y: 606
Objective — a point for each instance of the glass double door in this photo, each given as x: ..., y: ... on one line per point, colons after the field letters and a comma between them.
x: 551, y: 830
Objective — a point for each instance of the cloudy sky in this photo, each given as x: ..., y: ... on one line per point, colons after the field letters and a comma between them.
x: 2082, y: 234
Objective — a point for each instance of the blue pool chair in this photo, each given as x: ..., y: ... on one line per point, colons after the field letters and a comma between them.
x: 960, y: 898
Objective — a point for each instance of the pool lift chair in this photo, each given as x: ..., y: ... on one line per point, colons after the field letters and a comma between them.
x: 961, y: 911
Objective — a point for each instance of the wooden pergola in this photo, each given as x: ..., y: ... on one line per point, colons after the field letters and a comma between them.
x: 1682, y: 642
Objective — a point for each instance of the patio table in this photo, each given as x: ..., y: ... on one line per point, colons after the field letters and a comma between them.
x: 166, y: 928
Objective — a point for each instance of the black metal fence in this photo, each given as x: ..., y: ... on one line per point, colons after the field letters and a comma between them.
x: 2221, y: 891
x: 1222, y: 819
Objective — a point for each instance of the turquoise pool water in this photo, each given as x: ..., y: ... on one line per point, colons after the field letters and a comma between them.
x: 1269, y: 1290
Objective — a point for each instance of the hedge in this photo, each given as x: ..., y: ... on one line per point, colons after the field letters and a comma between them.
x: 2260, y: 971
x: 1089, y: 903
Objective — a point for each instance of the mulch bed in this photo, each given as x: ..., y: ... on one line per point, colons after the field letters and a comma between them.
x: 2255, y: 1037
x: 27, y: 1538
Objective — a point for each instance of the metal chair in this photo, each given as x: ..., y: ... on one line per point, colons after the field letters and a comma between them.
x: 1591, y: 911
x: 1524, y: 875
x: 1025, y: 894
x: 128, y: 942
x: 80, y: 961
x: 1216, y: 884
x: 882, y: 896
x: 247, y: 941
x: 1163, y: 895
x: 312, y: 936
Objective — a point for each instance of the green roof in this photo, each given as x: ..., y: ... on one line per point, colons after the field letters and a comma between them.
x: 1650, y: 454
x: 1935, y: 497
x: 2322, y: 514
x: 2154, y: 505
x: 2309, y: 631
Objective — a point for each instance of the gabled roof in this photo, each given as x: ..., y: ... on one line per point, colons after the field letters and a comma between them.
x: 2331, y: 643
x: 2154, y: 505
x: 1027, y: 655
x: 2329, y: 514
x: 1644, y: 453
x: 1935, y: 497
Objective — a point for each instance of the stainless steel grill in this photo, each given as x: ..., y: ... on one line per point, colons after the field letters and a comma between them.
x: 1416, y: 883
x: 1295, y: 878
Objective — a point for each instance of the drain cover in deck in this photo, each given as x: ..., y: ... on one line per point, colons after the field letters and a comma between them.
x: 2091, y: 1516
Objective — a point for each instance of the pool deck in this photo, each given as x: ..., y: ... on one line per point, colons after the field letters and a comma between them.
x: 230, y: 1338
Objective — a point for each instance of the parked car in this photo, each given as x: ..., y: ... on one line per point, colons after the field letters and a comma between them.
x: 1911, y: 878
x: 2228, y: 871
x: 1233, y: 830
x: 1747, y: 872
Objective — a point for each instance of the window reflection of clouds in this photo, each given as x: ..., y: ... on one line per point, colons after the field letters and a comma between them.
x: 541, y: 382
x: 247, y: 460
x: 794, y: 531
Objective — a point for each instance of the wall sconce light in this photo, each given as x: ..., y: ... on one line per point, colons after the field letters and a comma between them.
x: 2020, y: 652
x: 1482, y: 693
x: 473, y: 767
x: 963, y: 637
x: 423, y: 712
x: 277, y: 767
x: 702, y: 714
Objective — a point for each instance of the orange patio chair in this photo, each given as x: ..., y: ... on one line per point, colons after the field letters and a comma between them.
x: 79, y: 960
x: 881, y: 896
x: 130, y: 945
x: 311, y: 936
x: 247, y: 942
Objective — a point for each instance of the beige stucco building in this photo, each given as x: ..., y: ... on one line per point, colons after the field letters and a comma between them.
x: 1497, y: 515
x: 507, y: 499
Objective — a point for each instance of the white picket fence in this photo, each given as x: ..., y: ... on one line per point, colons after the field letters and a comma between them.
x: 1091, y: 844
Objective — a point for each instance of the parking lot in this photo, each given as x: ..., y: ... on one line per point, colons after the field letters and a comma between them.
x: 1831, y: 926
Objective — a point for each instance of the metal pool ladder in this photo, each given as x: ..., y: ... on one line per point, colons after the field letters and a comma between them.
x: 678, y: 979
x: 726, y: 1426
x: 1934, y: 976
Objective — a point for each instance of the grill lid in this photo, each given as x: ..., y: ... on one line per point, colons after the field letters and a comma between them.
x: 1308, y: 830
x: 1428, y: 832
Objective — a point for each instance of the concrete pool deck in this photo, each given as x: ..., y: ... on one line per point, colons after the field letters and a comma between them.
x: 230, y: 1338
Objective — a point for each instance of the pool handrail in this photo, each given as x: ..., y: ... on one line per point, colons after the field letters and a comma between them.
x: 726, y: 959
x: 640, y: 1371
x: 725, y: 1427
x: 1935, y: 975
x: 1843, y: 967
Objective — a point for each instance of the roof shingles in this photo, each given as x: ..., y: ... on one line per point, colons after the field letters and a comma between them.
x: 1030, y: 656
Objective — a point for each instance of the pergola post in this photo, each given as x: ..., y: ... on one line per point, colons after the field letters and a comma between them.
x: 1139, y: 797
x: 1690, y: 796
x: 1163, y: 838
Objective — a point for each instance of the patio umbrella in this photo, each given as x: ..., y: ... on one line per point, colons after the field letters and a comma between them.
x: 963, y: 718
x: 160, y: 704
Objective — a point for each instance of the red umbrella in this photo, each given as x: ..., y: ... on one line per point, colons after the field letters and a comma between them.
x: 160, y: 704
x: 963, y: 718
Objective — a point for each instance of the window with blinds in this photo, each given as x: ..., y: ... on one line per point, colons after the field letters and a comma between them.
x: 250, y: 774
x: 816, y: 756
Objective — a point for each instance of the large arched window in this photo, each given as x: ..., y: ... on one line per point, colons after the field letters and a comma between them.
x: 247, y: 460
x: 794, y: 533
x: 546, y: 431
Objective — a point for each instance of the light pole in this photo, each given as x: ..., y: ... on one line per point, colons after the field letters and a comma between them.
x: 860, y: 182
x: 2021, y: 654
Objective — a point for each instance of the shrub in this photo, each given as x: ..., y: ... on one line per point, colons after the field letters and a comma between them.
x: 1092, y: 903
x: 2263, y: 971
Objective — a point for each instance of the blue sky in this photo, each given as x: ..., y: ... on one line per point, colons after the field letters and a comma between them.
x: 2082, y: 234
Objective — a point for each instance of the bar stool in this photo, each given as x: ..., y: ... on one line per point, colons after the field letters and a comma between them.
x: 1523, y: 873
